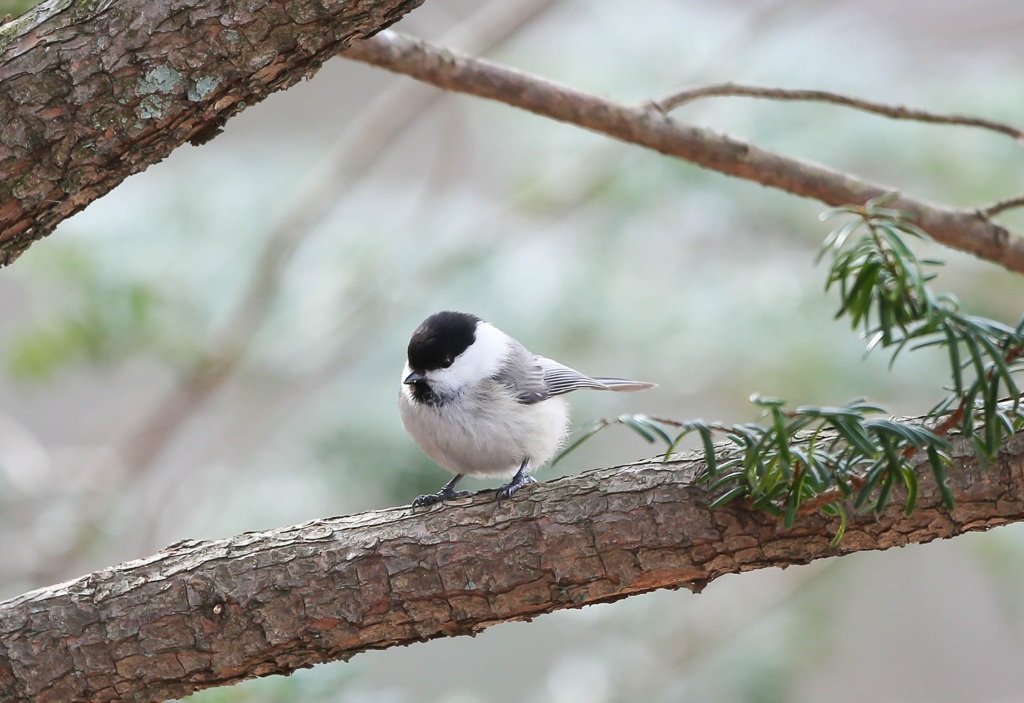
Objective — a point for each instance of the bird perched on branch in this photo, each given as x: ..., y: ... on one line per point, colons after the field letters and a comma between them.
x: 480, y: 404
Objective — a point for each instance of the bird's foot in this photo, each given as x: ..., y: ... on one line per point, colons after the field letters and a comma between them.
x: 446, y: 493
x: 517, y: 482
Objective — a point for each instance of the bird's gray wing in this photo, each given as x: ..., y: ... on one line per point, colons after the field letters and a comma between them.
x: 535, y: 378
x: 522, y: 375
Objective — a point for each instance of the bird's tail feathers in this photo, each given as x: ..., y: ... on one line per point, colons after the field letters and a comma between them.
x: 623, y: 384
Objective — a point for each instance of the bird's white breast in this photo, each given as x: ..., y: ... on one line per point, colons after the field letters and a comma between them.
x: 486, y: 432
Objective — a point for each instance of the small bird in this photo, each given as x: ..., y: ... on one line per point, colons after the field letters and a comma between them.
x: 479, y: 404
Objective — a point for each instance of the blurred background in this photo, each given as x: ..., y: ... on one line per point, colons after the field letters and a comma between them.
x: 215, y: 346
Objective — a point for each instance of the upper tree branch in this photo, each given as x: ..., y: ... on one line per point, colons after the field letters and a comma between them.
x: 202, y: 614
x: 91, y: 92
x: 965, y: 229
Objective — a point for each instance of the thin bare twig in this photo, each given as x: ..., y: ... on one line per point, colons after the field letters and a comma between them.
x: 1001, y: 206
x: 896, y: 112
x: 964, y: 229
x: 832, y: 495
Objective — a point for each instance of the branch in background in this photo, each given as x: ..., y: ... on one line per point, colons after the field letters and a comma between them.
x: 373, y: 131
x: 962, y: 229
x: 204, y: 614
x: 79, y: 120
x: 896, y: 112
x: 361, y: 144
x: 352, y: 155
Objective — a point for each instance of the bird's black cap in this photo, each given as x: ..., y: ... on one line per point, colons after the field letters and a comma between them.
x: 440, y: 339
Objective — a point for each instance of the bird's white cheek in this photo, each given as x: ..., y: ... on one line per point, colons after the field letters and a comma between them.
x: 481, y: 360
x: 405, y: 390
x: 444, y: 381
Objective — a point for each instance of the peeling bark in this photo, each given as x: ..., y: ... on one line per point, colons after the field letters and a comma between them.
x: 92, y: 92
x: 203, y: 614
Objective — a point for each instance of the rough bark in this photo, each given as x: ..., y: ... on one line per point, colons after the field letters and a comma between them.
x: 91, y: 92
x: 645, y: 125
x: 202, y: 614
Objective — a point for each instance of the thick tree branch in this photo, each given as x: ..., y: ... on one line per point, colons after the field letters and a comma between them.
x: 91, y: 92
x: 203, y: 614
x: 645, y: 125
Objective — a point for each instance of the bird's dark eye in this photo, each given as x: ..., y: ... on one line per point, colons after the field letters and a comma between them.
x: 446, y: 362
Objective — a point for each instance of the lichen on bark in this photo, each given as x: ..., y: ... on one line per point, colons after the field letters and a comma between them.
x: 92, y: 92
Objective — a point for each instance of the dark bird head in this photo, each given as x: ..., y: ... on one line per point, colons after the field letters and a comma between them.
x: 440, y: 340
x: 437, y: 359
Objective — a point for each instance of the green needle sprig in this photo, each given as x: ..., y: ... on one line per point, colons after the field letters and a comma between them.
x: 828, y: 459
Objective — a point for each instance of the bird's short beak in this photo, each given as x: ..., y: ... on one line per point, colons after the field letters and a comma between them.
x: 414, y: 377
